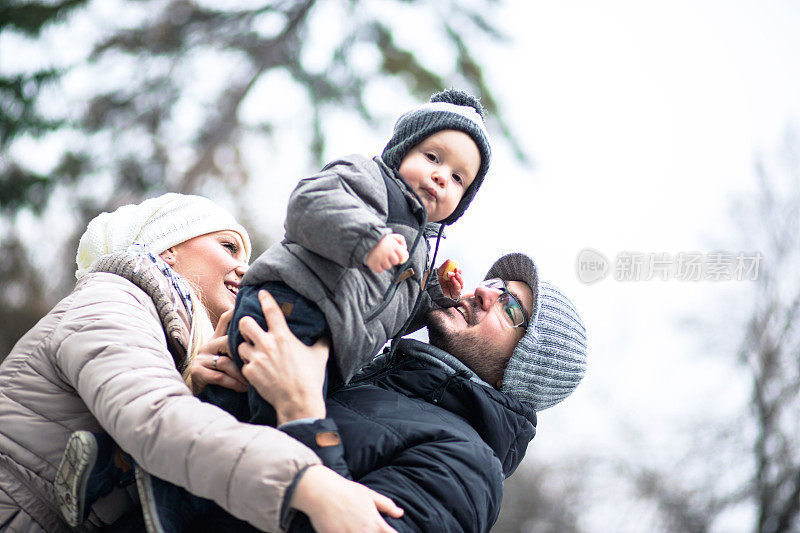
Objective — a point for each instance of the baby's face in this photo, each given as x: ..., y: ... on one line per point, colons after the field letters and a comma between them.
x: 440, y: 169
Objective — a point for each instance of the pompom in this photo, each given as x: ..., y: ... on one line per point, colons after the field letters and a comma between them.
x: 457, y: 97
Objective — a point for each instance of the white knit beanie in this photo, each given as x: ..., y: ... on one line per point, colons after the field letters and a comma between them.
x: 158, y: 223
x: 550, y: 359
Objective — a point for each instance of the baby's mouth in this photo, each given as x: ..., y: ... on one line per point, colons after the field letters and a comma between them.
x: 430, y: 193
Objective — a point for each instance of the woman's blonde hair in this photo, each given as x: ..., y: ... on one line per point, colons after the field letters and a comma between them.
x: 200, y: 331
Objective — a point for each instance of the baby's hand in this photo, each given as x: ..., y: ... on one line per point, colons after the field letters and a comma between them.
x: 390, y: 251
x: 450, y: 279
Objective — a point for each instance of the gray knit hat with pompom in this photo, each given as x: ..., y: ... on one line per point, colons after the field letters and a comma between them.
x: 550, y: 359
x: 448, y: 110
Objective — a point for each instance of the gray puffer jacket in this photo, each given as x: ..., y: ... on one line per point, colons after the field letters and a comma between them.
x: 100, y: 361
x: 334, y: 219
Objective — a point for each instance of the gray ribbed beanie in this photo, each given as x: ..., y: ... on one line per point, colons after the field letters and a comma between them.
x: 550, y: 359
x: 448, y: 110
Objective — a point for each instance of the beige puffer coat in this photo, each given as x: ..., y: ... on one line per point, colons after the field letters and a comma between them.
x: 100, y: 361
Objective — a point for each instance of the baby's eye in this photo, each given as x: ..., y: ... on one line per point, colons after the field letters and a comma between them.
x: 457, y: 178
x: 431, y: 157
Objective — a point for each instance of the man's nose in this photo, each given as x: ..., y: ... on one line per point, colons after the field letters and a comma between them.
x: 486, y: 297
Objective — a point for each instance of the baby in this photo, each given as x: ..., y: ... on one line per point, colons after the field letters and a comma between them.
x: 352, y: 263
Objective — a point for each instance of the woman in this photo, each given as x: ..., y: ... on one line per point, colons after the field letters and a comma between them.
x: 109, y: 358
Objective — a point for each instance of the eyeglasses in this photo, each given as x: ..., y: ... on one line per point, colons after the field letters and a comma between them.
x: 511, y: 308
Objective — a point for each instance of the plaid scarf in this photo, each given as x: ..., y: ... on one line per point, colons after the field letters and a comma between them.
x: 178, y: 286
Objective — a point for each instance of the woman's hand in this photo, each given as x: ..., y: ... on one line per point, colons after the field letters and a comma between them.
x: 212, y: 364
x: 335, y: 504
x: 285, y: 372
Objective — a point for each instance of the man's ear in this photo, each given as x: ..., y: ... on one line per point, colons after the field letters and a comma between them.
x: 168, y: 256
x: 499, y: 384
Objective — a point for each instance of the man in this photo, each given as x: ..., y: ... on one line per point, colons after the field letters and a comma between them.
x: 439, y: 426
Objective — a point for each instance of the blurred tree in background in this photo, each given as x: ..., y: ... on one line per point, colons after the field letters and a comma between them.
x: 542, y: 498
x: 770, y: 347
x: 119, y: 100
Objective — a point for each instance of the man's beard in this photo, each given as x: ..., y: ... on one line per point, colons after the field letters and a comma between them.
x: 467, y: 346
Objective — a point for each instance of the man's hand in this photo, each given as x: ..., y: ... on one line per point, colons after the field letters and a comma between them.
x: 337, y: 505
x: 285, y: 372
x: 212, y: 364
x: 390, y: 251
x: 450, y: 279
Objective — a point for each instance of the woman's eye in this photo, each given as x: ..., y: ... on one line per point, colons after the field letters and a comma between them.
x: 232, y: 247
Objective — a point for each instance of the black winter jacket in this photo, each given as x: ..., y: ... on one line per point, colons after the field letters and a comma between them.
x: 428, y: 433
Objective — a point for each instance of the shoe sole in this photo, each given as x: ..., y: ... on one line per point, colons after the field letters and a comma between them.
x: 73, y: 475
x: 144, y: 485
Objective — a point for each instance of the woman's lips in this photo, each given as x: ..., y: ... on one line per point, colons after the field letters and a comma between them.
x: 232, y: 286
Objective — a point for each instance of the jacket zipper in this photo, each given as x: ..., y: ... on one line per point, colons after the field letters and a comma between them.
x: 390, y: 292
x: 387, y: 298
x: 439, y: 391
